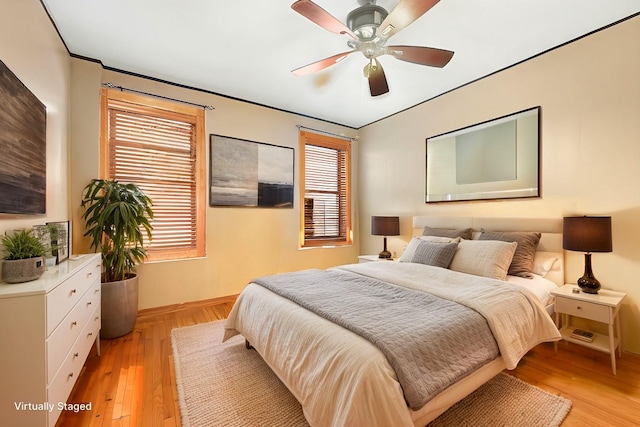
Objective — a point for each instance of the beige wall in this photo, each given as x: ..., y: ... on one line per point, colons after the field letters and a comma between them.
x: 589, y: 92
x: 31, y: 48
x: 242, y: 243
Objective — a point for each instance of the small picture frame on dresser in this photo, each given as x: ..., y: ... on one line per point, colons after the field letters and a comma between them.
x: 60, y: 239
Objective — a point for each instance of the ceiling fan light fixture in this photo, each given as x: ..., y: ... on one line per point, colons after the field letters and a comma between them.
x: 365, y: 20
x: 368, y: 27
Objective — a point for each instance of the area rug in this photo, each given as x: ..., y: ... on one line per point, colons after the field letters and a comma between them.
x: 227, y: 385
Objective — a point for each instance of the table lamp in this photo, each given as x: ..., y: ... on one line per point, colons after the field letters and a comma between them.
x: 385, y: 226
x: 587, y: 234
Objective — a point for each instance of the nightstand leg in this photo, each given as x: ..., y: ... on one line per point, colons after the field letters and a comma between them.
x: 612, y: 343
x: 617, y: 321
x: 555, y: 343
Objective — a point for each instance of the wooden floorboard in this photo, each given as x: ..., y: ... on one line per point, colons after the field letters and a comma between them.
x: 132, y: 383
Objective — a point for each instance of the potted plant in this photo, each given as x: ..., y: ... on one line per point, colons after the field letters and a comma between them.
x: 117, y: 217
x: 24, y: 257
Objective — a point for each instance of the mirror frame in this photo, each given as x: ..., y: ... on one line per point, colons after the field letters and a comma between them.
x: 526, y: 183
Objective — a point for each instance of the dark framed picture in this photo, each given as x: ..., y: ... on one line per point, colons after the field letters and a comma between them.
x: 23, y: 164
x: 60, y: 239
x: 250, y: 174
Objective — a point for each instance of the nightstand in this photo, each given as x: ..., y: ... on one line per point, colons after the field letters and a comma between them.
x: 601, y: 307
x: 371, y: 258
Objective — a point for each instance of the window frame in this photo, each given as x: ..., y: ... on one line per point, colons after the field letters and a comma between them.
x: 344, y: 145
x: 173, y: 111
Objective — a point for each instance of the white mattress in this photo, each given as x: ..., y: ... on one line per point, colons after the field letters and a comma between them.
x: 540, y: 287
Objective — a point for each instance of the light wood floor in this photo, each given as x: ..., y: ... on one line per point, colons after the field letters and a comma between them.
x: 133, y: 382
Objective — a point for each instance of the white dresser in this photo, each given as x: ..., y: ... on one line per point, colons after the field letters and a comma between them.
x: 47, y: 328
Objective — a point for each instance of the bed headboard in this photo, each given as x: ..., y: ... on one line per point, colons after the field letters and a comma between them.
x: 549, y: 228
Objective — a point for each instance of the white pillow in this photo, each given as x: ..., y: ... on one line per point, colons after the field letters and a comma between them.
x: 488, y: 258
x: 409, y: 252
x: 543, y: 262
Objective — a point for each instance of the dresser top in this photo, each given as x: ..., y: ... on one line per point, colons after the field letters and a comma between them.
x: 50, y: 279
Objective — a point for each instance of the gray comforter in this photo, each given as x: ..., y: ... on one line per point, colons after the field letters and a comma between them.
x: 429, y: 341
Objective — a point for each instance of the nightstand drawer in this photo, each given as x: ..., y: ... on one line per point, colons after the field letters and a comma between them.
x: 587, y: 310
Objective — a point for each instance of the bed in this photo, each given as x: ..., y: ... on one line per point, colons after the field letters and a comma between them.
x: 343, y: 379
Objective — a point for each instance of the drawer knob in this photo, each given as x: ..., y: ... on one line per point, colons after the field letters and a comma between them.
x: 76, y: 354
x: 96, y: 291
x: 89, y: 334
x: 579, y: 308
x: 74, y: 323
x: 70, y: 375
x: 97, y: 317
x: 73, y: 291
x: 89, y: 303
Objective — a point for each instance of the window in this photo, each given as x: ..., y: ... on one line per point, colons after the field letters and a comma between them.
x: 159, y: 146
x: 325, y: 190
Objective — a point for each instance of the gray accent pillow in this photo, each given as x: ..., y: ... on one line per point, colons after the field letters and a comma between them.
x: 464, y: 233
x: 407, y: 255
x: 523, y: 259
x: 436, y: 254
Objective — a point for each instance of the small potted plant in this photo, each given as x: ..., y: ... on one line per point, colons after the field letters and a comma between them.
x: 23, y: 257
x: 117, y: 216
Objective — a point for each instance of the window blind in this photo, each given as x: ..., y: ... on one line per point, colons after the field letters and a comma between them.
x: 326, y: 192
x: 157, y: 150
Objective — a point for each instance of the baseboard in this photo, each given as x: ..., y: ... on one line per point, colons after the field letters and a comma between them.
x: 165, y: 309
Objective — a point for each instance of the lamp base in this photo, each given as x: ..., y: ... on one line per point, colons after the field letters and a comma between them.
x: 589, y: 285
x: 588, y: 282
x: 385, y: 254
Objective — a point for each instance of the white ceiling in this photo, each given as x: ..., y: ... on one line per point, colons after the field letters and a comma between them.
x: 246, y: 49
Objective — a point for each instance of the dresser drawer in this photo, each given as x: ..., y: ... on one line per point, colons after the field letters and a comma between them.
x: 62, y: 299
x: 60, y: 341
x: 60, y: 388
x: 587, y: 310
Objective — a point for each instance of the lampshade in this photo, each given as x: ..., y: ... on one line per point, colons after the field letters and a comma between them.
x: 385, y: 225
x: 587, y: 233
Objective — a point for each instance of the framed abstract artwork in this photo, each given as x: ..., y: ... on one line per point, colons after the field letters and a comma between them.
x: 23, y: 163
x: 250, y: 174
x: 496, y: 159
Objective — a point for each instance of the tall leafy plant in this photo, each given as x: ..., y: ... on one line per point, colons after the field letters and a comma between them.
x: 117, y: 217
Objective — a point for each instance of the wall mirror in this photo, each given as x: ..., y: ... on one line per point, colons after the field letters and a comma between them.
x: 496, y: 159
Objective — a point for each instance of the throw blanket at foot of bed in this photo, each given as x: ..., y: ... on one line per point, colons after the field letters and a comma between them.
x: 516, y: 317
x: 430, y: 342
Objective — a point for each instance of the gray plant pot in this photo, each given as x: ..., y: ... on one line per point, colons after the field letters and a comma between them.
x: 119, y: 307
x: 23, y: 270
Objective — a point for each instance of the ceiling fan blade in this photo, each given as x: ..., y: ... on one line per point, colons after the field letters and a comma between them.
x: 405, y: 12
x: 315, y: 13
x: 320, y: 65
x: 421, y: 55
x: 377, y: 80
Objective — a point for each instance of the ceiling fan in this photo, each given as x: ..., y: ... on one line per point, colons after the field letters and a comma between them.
x: 369, y: 26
